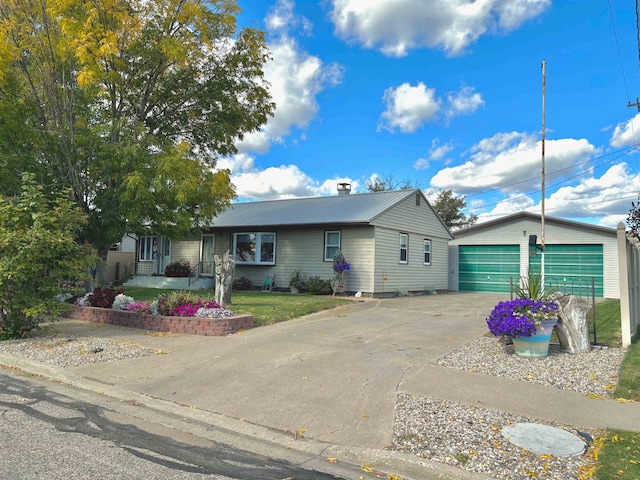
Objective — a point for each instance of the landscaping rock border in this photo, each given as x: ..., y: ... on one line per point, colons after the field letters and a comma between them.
x: 218, y: 327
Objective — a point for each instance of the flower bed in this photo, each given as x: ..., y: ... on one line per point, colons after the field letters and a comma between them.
x: 160, y: 323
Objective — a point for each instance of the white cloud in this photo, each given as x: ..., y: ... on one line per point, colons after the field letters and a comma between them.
x: 409, y: 107
x: 610, y: 194
x: 624, y: 133
x: 607, y: 197
x: 396, y: 26
x: 295, y: 79
x: 464, y: 102
x: 285, y: 181
x: 436, y: 153
x: 511, y: 162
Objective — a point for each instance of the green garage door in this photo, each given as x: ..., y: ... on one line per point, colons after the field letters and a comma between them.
x: 487, y: 268
x: 571, y: 268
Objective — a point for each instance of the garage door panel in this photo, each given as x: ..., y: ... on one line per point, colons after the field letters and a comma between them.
x: 572, y: 267
x: 487, y: 268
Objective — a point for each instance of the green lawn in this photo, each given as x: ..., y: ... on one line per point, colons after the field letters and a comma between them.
x: 608, y: 323
x: 266, y: 308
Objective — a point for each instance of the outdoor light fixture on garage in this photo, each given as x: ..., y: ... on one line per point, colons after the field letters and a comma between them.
x: 533, y: 242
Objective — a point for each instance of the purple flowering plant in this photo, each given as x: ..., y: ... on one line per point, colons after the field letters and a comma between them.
x: 139, y: 306
x: 190, y: 309
x: 340, y: 263
x: 520, y: 317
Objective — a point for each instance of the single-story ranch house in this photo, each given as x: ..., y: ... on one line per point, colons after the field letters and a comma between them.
x: 393, y: 240
x: 484, y: 258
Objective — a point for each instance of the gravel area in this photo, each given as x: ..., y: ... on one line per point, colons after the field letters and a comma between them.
x: 594, y: 373
x: 470, y: 437
x: 67, y: 351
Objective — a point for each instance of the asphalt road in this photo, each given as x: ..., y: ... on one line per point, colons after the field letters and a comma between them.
x: 52, y: 431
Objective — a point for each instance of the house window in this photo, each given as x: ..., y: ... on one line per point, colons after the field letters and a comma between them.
x: 148, y: 249
x: 255, y: 248
x: 331, y: 245
x: 427, y: 252
x: 404, y: 248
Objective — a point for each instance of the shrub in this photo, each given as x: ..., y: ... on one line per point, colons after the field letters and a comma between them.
x: 318, y: 286
x: 104, y: 298
x: 191, y: 309
x: 168, y: 304
x: 122, y: 302
x: 213, y: 313
x: 243, y: 283
x: 139, y: 306
x: 39, y: 251
x: 298, y: 279
x: 177, y: 269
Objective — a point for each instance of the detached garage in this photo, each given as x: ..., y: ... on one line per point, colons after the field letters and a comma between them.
x: 485, y: 257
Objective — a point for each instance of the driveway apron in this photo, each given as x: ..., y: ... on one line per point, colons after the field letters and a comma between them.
x: 334, y: 375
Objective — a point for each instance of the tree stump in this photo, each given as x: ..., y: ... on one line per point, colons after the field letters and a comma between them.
x: 573, y: 324
x: 225, y: 271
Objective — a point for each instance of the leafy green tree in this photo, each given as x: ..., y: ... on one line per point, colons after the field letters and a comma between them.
x: 38, y: 249
x: 129, y: 103
x: 451, y: 210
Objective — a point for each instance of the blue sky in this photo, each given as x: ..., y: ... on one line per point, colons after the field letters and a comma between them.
x: 448, y: 94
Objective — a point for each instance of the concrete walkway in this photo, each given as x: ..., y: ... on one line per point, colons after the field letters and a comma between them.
x: 336, y: 375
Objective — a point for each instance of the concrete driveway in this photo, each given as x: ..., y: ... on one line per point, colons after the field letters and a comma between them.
x: 334, y: 374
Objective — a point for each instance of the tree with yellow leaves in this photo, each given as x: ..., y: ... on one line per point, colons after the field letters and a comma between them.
x: 129, y: 103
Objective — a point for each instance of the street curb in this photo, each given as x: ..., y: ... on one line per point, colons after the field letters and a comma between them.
x: 249, y: 436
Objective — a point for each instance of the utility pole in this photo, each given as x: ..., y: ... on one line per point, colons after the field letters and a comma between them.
x: 637, y: 104
x: 544, y: 87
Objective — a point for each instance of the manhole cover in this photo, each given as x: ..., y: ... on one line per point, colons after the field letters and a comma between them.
x: 543, y: 439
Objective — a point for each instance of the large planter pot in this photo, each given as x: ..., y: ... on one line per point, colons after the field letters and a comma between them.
x: 537, y: 345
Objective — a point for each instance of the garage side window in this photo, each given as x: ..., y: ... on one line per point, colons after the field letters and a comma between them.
x: 427, y: 252
x: 404, y: 248
x: 331, y: 245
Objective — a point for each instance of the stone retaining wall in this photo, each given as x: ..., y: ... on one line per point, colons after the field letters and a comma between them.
x: 159, y: 323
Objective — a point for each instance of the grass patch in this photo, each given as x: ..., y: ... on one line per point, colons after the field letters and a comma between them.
x: 629, y: 383
x: 619, y: 455
x: 608, y: 323
x: 266, y: 308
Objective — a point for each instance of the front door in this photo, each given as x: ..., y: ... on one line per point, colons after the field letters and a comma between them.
x: 206, y: 255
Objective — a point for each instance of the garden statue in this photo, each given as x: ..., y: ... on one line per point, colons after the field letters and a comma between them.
x: 573, y: 324
x: 225, y: 271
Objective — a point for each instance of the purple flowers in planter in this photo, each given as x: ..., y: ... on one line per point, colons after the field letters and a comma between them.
x: 520, y: 317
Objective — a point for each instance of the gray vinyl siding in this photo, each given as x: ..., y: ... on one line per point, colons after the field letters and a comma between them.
x: 518, y: 231
x: 187, y: 249
x: 414, y: 276
x: 303, y: 248
x: 420, y: 223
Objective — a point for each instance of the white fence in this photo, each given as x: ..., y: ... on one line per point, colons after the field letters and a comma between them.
x: 629, y: 262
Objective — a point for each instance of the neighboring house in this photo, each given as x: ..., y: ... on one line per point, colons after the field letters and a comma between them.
x: 485, y: 257
x: 394, y: 241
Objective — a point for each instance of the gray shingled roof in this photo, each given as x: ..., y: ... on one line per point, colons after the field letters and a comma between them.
x: 338, y: 209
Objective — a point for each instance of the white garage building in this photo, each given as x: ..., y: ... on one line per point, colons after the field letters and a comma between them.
x: 486, y: 257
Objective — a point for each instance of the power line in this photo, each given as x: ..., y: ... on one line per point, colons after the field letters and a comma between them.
x: 555, y: 172
x: 528, y: 194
